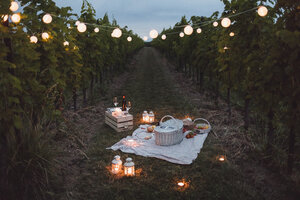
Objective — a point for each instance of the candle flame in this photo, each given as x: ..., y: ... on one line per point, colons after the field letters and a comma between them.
x: 181, y: 184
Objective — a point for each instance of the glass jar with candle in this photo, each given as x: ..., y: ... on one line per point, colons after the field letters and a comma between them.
x: 116, y: 165
x: 151, y: 117
x: 145, y: 116
x: 129, y: 167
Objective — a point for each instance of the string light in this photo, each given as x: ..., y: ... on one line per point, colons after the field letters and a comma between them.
x: 96, y: 30
x: 215, y: 24
x: 231, y: 34
x: 181, y: 34
x: 47, y: 18
x: 188, y: 30
x: 45, y: 36
x: 66, y: 43
x: 129, y: 39
x: 116, y: 33
x: 145, y: 38
x: 16, y: 18
x: 14, y: 6
x: 153, y: 34
x: 262, y: 11
x: 5, y: 17
x: 81, y: 27
x: 199, y: 30
x: 77, y: 23
x: 163, y: 37
x: 33, y: 39
x: 226, y: 22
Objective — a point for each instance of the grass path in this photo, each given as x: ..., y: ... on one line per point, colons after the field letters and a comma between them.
x: 151, y: 86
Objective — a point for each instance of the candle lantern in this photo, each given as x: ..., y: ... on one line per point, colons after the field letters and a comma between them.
x: 129, y: 167
x: 145, y: 116
x: 116, y: 165
x: 151, y: 117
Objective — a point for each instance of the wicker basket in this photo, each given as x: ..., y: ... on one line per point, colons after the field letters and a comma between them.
x: 169, y: 132
x: 202, y: 131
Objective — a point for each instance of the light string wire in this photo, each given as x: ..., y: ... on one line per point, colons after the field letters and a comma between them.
x: 194, y: 26
x: 205, y: 23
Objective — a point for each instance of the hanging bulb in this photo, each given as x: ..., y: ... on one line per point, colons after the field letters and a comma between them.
x: 66, y: 43
x: 215, y: 24
x: 181, y: 34
x: 226, y: 22
x: 81, y: 27
x: 77, y: 23
x: 14, y: 6
x: 153, y: 34
x: 47, y: 18
x: 4, y: 17
x: 16, y: 18
x: 199, y: 30
x: 117, y: 33
x: 45, y: 36
x: 96, y: 30
x: 262, y: 11
x: 188, y: 30
x: 231, y: 34
x: 33, y: 39
x: 129, y: 39
x: 163, y: 37
x: 145, y: 38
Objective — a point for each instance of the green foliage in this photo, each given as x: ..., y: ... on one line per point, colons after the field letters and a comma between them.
x: 261, y: 64
x: 34, y: 79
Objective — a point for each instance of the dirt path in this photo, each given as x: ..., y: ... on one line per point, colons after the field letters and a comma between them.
x: 153, y: 85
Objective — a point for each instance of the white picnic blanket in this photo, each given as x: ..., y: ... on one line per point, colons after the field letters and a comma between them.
x: 184, y: 153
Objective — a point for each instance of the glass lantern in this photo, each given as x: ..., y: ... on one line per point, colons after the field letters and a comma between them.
x: 116, y: 165
x: 145, y: 116
x: 129, y: 167
x: 151, y: 117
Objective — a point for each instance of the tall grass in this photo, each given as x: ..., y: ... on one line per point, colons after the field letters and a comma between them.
x: 25, y: 167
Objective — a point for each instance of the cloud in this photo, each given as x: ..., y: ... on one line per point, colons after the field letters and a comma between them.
x: 143, y: 15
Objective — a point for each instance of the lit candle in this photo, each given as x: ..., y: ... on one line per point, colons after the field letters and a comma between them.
x: 116, y: 165
x: 129, y: 167
x: 180, y: 184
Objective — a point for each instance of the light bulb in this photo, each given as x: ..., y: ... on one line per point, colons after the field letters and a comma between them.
x: 14, y: 6
x: 16, y: 18
x: 45, y: 36
x: 77, y: 23
x: 4, y: 17
x: 96, y: 30
x: 66, y: 43
x: 215, y: 24
x: 33, y: 39
x: 199, y: 30
x: 163, y: 37
x: 231, y: 34
x: 81, y: 27
x: 226, y: 22
x: 181, y: 34
x: 153, y: 34
x: 145, y: 38
x: 129, y: 39
x: 47, y: 18
x: 117, y: 33
x: 262, y: 11
x: 188, y: 30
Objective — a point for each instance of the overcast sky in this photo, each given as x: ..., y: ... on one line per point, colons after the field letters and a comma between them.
x: 143, y: 15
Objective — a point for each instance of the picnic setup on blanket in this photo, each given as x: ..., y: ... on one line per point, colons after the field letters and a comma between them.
x: 173, y: 140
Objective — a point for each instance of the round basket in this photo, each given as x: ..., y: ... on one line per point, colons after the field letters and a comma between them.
x: 202, y: 131
x: 169, y: 132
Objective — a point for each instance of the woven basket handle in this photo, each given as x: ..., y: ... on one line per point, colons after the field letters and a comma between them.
x: 202, y: 120
x: 171, y: 118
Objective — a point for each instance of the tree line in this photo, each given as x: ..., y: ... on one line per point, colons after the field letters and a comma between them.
x: 35, y: 78
x: 257, y: 69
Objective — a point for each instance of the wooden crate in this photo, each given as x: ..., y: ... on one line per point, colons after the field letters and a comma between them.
x: 119, y: 124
